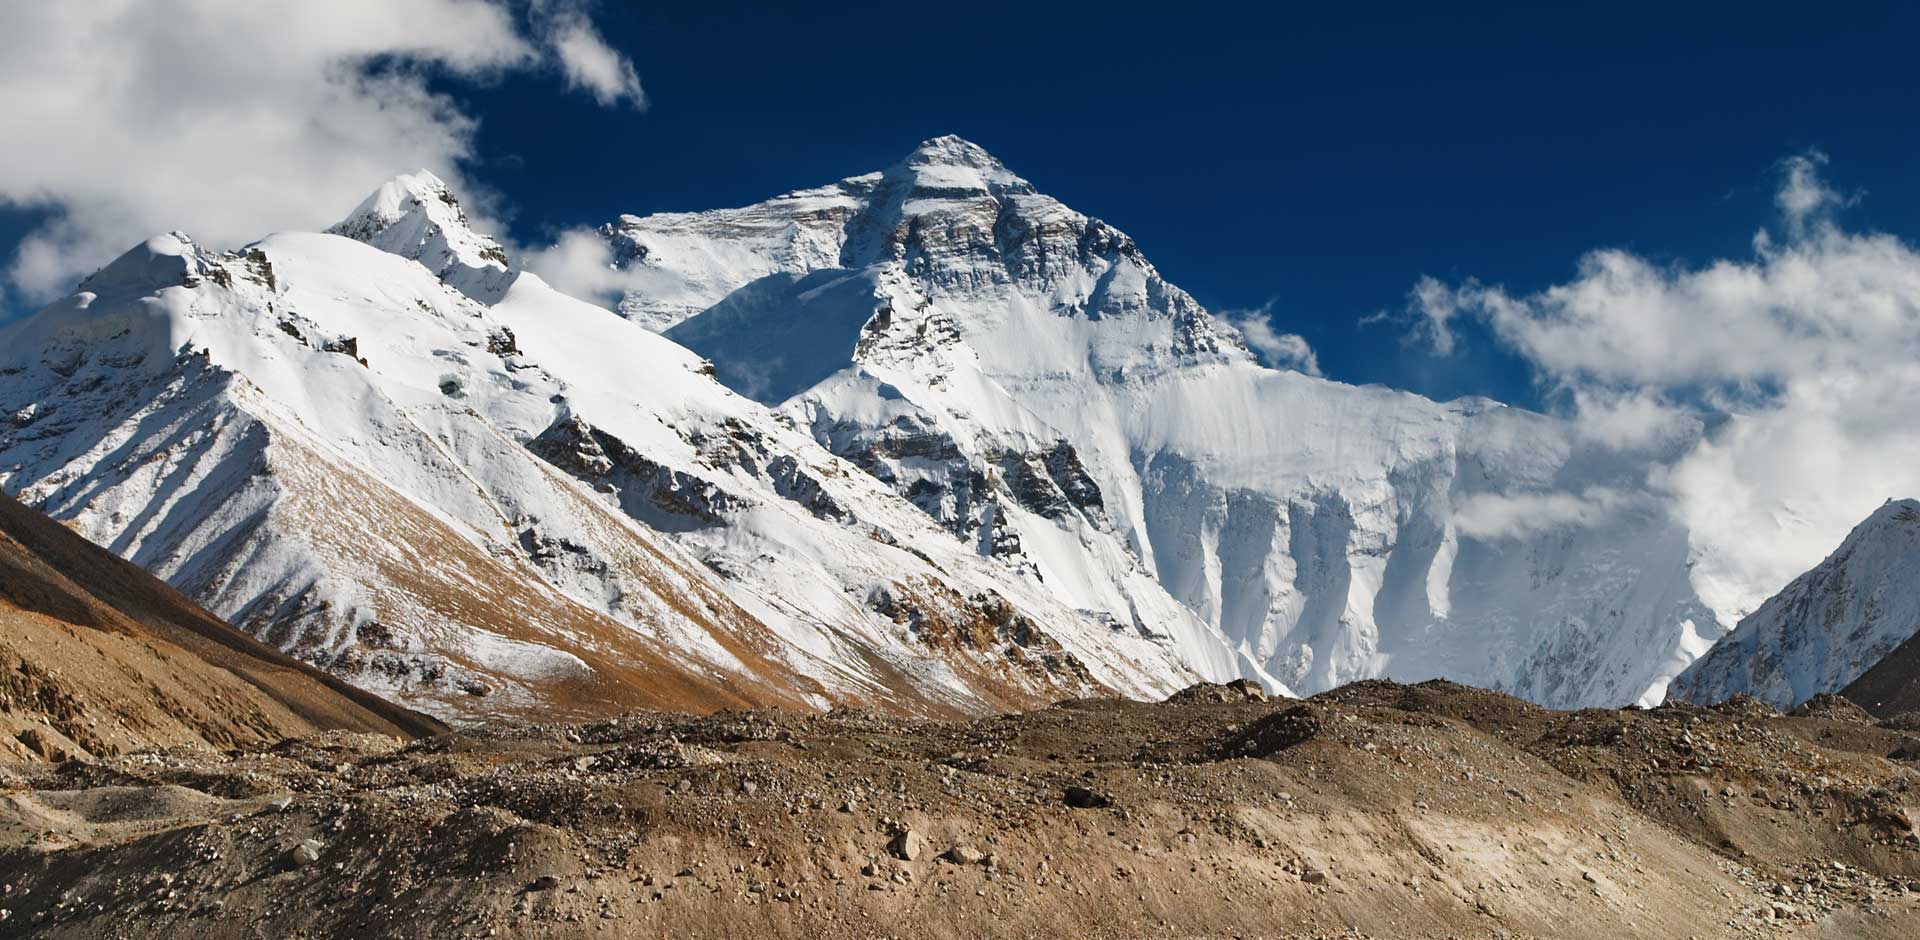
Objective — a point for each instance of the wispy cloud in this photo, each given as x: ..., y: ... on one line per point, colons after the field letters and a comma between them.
x: 580, y: 262
x: 587, y: 61
x: 1519, y: 515
x: 230, y: 119
x: 1804, y: 196
x: 1276, y: 349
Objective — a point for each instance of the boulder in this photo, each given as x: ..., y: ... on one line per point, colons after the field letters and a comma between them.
x: 907, y: 845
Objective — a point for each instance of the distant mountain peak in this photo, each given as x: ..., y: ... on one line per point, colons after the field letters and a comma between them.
x: 160, y: 261
x: 1826, y: 627
x: 952, y: 150
x: 1894, y: 511
x: 941, y: 169
x: 416, y: 215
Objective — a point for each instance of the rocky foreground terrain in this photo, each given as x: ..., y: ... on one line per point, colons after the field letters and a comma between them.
x: 1376, y: 809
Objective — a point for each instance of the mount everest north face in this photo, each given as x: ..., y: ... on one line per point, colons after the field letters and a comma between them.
x: 923, y: 439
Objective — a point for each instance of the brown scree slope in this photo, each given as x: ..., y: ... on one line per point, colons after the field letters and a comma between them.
x: 98, y: 657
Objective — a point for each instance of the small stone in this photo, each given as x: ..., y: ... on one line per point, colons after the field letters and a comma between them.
x: 1084, y: 798
x: 1587, y: 876
x: 306, y: 853
x: 1313, y: 876
x: 907, y: 845
x: 964, y: 855
x: 544, y: 883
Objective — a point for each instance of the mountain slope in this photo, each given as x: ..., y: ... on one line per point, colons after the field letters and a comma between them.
x: 1891, y: 686
x: 97, y: 656
x: 1024, y: 375
x: 396, y: 457
x: 1828, y: 626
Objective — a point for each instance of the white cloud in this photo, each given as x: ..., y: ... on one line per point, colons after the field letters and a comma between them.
x: 580, y: 263
x: 1519, y: 515
x: 590, y: 64
x: 1630, y: 419
x: 228, y: 119
x: 1276, y: 349
x: 1804, y: 195
x: 1438, y: 304
x: 1789, y: 379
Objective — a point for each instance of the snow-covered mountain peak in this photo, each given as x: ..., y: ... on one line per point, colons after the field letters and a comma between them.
x: 1026, y: 376
x: 950, y: 166
x: 417, y: 216
x: 974, y: 241
x: 161, y: 261
x: 1894, y: 513
x: 1826, y: 627
x: 953, y: 150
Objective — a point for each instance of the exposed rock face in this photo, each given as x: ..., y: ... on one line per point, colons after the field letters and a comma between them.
x: 1830, y: 625
x: 661, y: 496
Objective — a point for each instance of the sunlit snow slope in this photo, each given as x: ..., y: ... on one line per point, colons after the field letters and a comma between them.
x: 1022, y: 374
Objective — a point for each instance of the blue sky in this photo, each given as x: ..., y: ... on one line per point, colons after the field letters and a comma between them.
x: 1317, y: 160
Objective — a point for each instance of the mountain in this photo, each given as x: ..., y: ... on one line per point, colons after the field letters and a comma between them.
x: 1026, y: 377
x: 387, y: 452
x: 98, y: 657
x: 1827, y: 627
x: 924, y: 439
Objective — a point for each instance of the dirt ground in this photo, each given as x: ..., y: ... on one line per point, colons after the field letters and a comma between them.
x: 1375, y: 810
